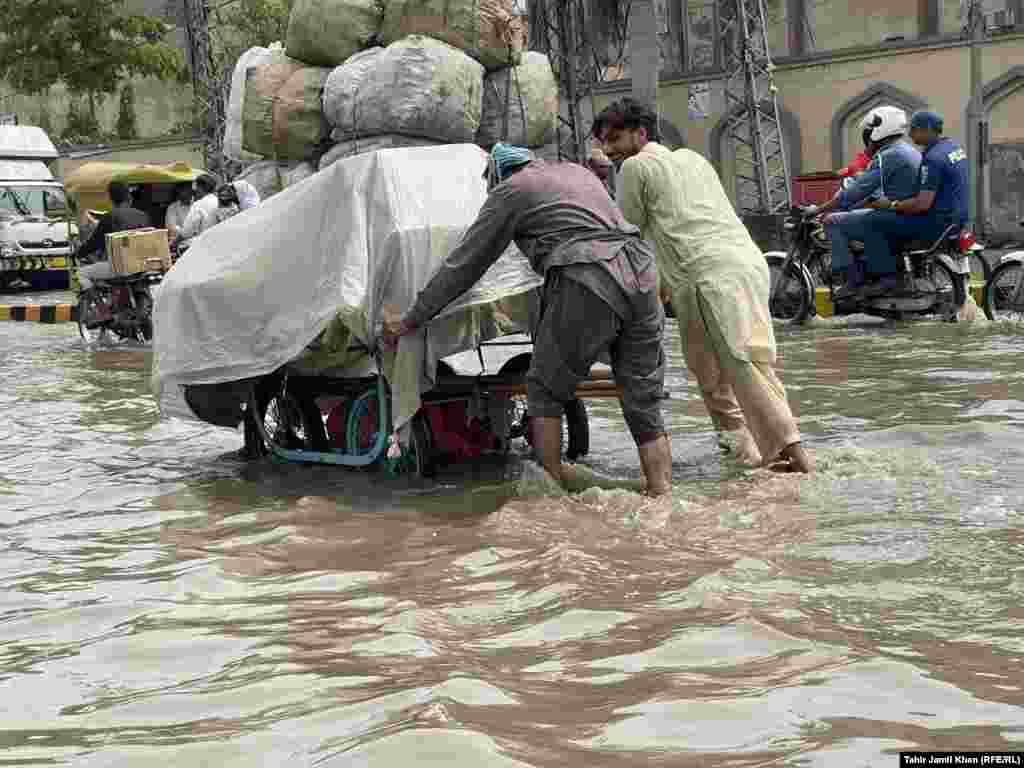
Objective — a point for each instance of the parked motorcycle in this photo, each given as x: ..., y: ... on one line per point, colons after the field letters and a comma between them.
x: 1003, y: 298
x: 935, y: 278
x: 121, y: 306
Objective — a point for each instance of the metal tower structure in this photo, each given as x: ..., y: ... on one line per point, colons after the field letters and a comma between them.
x: 753, y: 129
x: 566, y: 31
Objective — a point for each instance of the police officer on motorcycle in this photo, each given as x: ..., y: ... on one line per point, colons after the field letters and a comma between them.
x: 892, y: 175
x: 943, y: 196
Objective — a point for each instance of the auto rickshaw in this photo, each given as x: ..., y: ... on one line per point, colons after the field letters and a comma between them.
x: 153, y: 190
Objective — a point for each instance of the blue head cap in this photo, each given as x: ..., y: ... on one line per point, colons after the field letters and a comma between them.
x: 505, y: 157
x: 925, y: 119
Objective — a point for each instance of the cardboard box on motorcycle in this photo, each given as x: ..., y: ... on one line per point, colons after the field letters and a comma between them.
x: 139, y: 250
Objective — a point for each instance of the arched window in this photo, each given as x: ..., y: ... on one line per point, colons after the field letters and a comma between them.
x: 844, y: 121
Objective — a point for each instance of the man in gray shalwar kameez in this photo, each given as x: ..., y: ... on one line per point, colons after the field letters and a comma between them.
x: 600, y: 294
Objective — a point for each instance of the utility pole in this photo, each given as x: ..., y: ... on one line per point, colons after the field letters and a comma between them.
x: 206, y: 83
x: 977, y: 120
x: 763, y: 186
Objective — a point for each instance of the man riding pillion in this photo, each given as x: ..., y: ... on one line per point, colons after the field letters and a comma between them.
x: 600, y: 294
x: 120, y: 219
x: 892, y: 175
x: 717, y: 279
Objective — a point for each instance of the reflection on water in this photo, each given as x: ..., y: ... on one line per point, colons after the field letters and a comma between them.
x: 165, y: 601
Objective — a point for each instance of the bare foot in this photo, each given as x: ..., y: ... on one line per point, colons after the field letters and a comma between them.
x: 799, y: 459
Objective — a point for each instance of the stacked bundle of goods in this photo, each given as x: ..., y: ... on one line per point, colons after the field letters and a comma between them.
x: 356, y: 76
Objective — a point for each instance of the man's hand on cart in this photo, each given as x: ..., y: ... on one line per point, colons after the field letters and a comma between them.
x: 394, y: 326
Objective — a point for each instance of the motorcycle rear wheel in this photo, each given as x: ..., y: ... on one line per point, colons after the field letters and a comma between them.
x: 997, y: 300
x: 88, y: 302
x: 144, y: 310
x: 794, y: 291
x: 953, y: 288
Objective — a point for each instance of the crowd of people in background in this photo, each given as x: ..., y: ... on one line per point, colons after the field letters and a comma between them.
x: 196, y: 207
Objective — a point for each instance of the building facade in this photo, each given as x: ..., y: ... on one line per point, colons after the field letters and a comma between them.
x: 837, y: 59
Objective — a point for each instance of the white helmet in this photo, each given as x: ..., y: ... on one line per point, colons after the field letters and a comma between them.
x: 884, y: 122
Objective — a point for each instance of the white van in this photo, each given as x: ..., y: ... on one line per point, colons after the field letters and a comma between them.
x: 36, y: 226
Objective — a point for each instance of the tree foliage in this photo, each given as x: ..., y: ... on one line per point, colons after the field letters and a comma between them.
x: 238, y: 25
x: 88, y: 45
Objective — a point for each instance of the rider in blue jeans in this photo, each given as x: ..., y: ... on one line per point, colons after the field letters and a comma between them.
x: 943, y: 196
x: 892, y: 175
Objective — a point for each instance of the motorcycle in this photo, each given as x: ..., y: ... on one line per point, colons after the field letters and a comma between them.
x: 121, y: 306
x: 1003, y: 297
x: 935, y: 276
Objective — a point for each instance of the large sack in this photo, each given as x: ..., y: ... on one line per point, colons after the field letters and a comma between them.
x: 532, y: 105
x: 324, y: 33
x: 262, y: 84
x: 253, y: 57
x: 488, y: 30
x: 265, y: 176
x: 270, y: 176
x: 416, y: 87
x: 354, y: 147
x: 299, y: 125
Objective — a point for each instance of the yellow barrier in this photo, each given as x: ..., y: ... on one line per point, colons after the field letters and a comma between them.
x: 39, y: 313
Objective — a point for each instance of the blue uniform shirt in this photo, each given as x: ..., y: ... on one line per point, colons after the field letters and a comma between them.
x: 894, y: 173
x: 944, y: 172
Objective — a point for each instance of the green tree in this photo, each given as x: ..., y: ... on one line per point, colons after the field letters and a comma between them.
x: 90, y: 47
x: 127, y: 126
x: 238, y: 25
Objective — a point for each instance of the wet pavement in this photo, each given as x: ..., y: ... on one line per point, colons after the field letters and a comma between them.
x: 166, y: 603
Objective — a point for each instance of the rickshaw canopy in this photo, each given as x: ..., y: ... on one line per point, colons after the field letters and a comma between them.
x: 89, y: 182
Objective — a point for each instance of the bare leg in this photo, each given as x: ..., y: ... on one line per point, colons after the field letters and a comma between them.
x: 656, y: 459
x: 547, y: 442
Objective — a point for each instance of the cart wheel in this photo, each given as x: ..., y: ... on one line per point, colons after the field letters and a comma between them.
x: 421, y: 441
x: 292, y: 420
x: 255, y: 448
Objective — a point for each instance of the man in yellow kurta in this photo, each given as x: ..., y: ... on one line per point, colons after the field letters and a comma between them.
x: 717, y: 280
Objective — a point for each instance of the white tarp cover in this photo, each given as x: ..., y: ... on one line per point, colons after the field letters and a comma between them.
x: 368, y: 231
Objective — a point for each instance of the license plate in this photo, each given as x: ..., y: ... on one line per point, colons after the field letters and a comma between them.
x: 963, y: 265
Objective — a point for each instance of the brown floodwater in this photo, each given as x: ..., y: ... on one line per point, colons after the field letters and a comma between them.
x: 164, y: 603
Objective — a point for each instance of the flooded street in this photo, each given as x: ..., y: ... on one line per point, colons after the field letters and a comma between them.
x: 166, y: 603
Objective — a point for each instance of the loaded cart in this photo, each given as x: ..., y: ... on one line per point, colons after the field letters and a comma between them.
x: 270, y: 323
